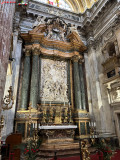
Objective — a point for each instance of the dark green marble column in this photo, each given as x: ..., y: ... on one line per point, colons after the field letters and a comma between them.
x: 77, y: 91
x: 68, y: 81
x: 34, y: 79
x: 25, y: 81
x: 82, y: 85
x: 39, y: 80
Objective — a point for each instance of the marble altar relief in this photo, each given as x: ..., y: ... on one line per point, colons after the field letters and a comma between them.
x: 53, y: 80
x: 115, y: 95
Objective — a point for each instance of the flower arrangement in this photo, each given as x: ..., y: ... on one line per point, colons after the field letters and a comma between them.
x: 107, y: 153
x: 104, y: 149
x: 31, y: 149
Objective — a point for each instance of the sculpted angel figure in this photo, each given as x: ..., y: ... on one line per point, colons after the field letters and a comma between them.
x: 39, y: 20
x: 72, y: 28
x: 49, y: 31
x: 62, y: 34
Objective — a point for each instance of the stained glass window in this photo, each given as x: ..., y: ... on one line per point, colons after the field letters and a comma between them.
x: 63, y: 4
x: 58, y: 3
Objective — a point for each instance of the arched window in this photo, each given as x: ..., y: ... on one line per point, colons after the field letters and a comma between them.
x: 58, y: 3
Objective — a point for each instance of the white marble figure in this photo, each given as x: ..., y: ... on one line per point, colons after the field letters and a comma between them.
x: 73, y: 28
x: 39, y: 20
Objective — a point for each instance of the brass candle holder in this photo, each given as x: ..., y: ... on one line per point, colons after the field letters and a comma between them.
x: 84, y: 150
x: 93, y: 135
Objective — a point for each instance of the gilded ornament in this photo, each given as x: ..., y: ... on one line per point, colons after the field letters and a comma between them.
x: 36, y: 49
x: 27, y: 52
x: 8, y: 101
x: 75, y: 58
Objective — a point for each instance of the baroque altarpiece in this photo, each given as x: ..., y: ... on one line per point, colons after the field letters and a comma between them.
x: 52, y: 83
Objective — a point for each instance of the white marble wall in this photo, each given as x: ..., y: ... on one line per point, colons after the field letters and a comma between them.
x: 97, y: 93
x: 12, y: 80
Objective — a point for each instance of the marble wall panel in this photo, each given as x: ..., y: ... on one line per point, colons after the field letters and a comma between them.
x: 97, y: 93
x: 6, y: 19
x: 12, y: 80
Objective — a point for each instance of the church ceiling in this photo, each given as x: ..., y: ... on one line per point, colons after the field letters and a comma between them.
x: 78, y: 6
x: 81, y: 5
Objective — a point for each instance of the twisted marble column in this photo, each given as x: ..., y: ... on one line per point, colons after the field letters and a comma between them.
x: 77, y: 91
x: 26, y: 79
x: 34, y: 78
x: 82, y: 85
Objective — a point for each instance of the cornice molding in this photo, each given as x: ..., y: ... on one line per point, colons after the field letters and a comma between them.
x: 44, y: 35
x: 54, y: 38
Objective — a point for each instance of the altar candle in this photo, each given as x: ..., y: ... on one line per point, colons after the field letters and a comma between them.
x: 90, y: 124
x: 64, y: 103
x: 35, y: 125
x: 69, y: 104
x: 94, y: 124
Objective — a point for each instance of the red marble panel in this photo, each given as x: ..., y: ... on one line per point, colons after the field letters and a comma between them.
x: 6, y: 20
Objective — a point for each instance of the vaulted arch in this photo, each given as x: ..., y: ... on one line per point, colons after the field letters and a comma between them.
x: 78, y: 6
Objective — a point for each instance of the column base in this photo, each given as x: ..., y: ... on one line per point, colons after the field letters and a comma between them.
x: 82, y: 119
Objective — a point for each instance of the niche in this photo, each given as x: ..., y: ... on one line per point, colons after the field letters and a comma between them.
x: 111, y: 49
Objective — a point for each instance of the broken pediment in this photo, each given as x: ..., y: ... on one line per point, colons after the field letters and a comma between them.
x: 55, y: 33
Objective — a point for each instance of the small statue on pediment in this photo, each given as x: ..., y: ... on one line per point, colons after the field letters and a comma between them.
x: 40, y: 20
x: 49, y: 21
x: 50, y: 33
x: 72, y: 28
x: 62, y: 34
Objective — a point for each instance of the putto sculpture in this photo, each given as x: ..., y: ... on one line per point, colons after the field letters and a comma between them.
x: 40, y: 20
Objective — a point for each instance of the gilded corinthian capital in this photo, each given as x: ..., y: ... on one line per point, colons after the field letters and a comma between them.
x: 36, y: 49
x: 28, y: 50
x: 76, y: 58
x: 81, y: 60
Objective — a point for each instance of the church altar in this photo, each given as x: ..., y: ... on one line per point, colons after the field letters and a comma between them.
x: 52, y: 96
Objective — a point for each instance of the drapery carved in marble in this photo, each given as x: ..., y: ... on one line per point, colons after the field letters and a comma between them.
x: 54, y: 81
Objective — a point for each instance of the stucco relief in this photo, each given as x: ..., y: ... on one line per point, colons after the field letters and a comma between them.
x: 53, y: 81
x: 115, y: 95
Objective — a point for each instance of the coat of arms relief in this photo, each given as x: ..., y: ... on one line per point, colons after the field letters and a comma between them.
x: 55, y: 28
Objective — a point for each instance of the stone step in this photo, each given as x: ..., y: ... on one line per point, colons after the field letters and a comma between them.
x: 62, y: 150
x: 59, y: 146
x: 63, y: 153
